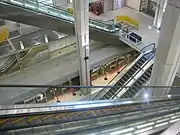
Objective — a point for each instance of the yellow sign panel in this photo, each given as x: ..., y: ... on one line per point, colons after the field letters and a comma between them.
x: 128, y: 20
x: 4, y: 35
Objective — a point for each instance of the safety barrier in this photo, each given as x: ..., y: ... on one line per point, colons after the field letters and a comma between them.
x: 128, y: 20
x: 4, y: 35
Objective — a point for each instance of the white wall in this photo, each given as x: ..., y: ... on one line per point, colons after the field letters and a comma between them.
x: 135, y: 4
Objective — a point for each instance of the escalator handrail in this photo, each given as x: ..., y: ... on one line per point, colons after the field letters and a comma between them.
x: 153, y: 48
x: 99, y: 93
x: 108, y: 26
x: 78, y: 105
x: 137, y: 80
x: 94, y: 98
x: 141, y: 68
x: 115, y: 77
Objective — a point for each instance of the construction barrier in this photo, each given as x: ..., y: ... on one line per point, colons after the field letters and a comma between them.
x: 128, y: 20
x: 4, y: 34
x: 71, y: 10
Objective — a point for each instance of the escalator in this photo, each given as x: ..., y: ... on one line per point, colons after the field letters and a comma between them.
x: 10, y: 63
x: 90, y: 117
x: 136, y: 87
x: 45, y: 16
x: 136, y: 67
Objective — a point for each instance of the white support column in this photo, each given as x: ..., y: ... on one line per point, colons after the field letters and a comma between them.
x: 160, y: 9
x: 81, y: 15
x: 168, y: 50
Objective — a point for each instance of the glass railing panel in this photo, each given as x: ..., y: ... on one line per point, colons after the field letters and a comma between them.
x: 132, y: 116
x: 31, y: 94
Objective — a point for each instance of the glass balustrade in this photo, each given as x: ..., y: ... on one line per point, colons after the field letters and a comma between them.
x: 31, y: 94
x: 60, y: 13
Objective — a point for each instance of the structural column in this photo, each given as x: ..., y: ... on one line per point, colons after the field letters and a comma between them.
x: 168, y: 50
x: 81, y: 15
x: 160, y: 9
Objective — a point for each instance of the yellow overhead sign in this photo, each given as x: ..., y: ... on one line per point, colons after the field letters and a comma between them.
x: 4, y: 34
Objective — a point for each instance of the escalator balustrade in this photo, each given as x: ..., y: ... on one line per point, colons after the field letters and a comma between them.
x: 128, y: 75
x: 136, y: 87
x: 21, y: 121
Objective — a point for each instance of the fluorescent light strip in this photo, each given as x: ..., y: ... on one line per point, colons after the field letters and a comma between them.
x: 175, y: 120
x: 162, y: 124
x: 122, y: 131
x: 159, y: 121
x: 145, y: 125
x: 143, y: 130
